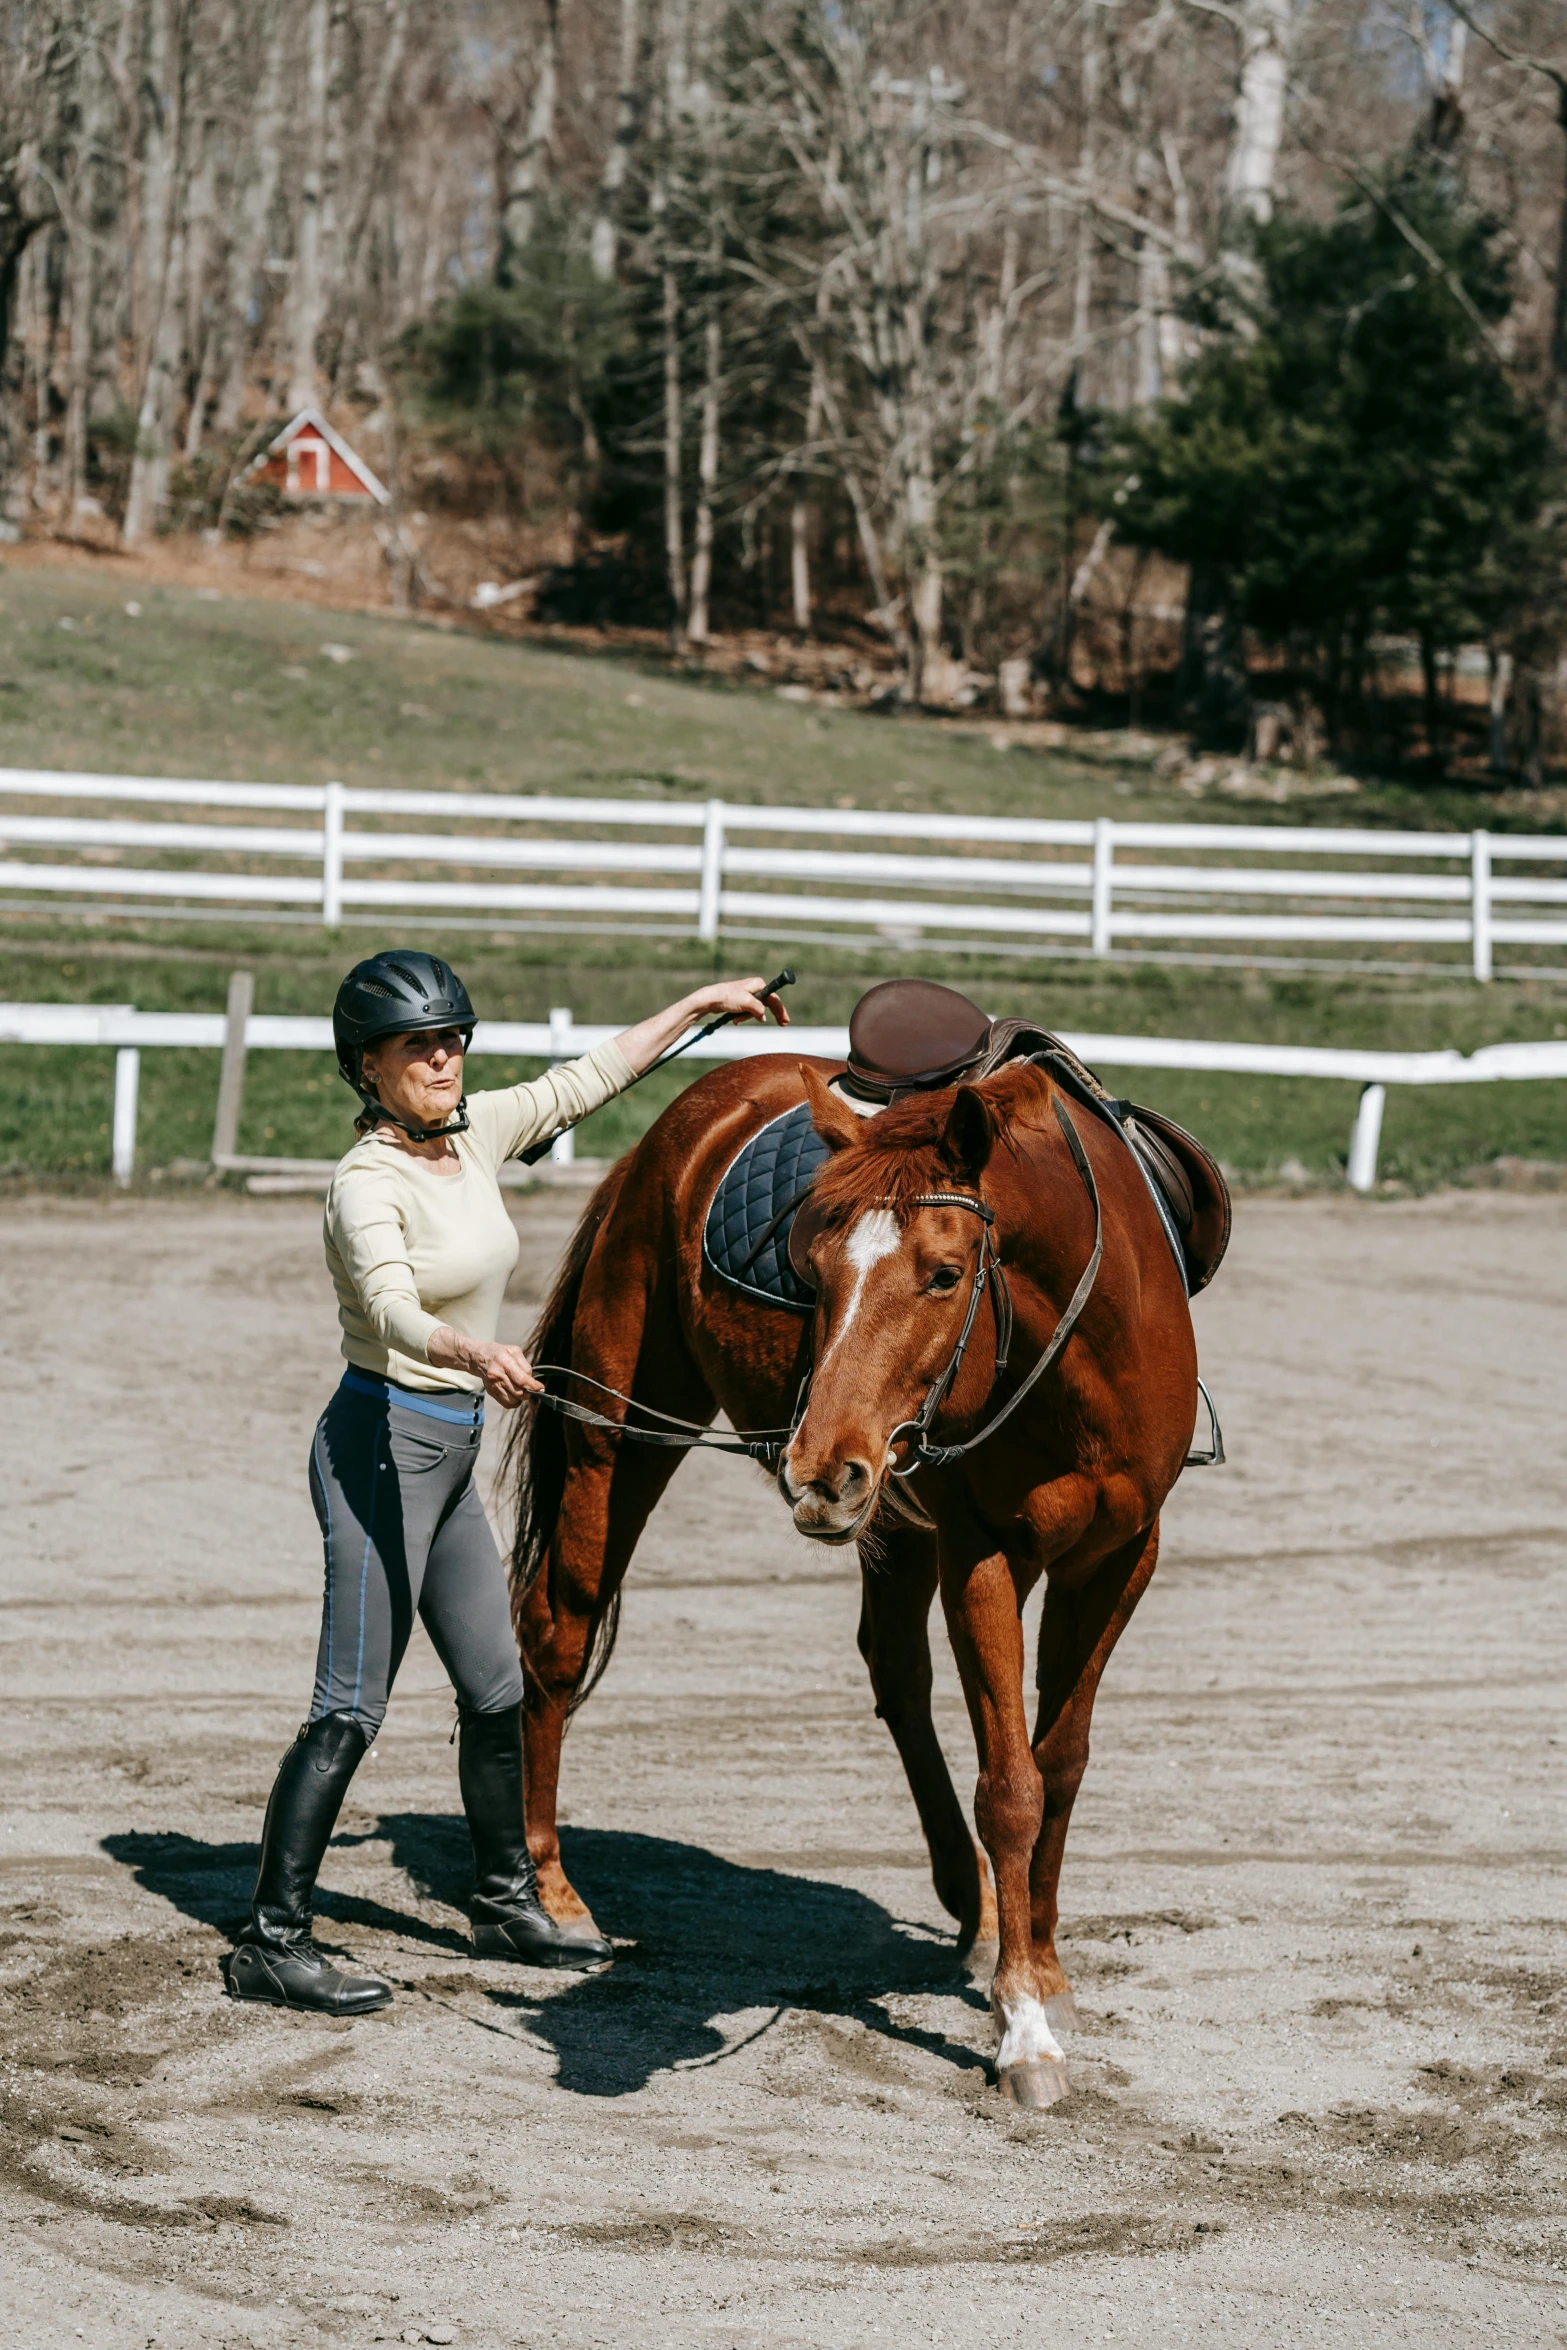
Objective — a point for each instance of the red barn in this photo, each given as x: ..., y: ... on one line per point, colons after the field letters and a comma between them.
x: 309, y: 460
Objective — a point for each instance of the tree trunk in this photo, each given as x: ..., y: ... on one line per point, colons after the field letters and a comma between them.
x: 665, y: 194
x: 83, y: 300
x: 1501, y: 668
x: 927, y: 587
x: 149, y: 487
x: 707, y: 453
x: 163, y: 219
x: 530, y: 165
x: 674, y: 531
x: 1265, y: 27
x: 1447, y: 99
x: 370, y: 142
x: 153, y: 179
x: 249, y: 246
x: 800, y: 516
x: 997, y: 323
x: 1174, y: 336
x: 628, y: 116
x: 308, y: 289
x: 82, y: 272
x: 1559, y: 311
x: 1432, y: 681
x: 198, y: 243
x: 1087, y: 166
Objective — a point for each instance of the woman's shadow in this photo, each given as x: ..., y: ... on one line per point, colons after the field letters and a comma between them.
x: 711, y: 1939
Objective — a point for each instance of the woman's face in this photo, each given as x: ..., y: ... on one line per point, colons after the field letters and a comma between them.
x: 418, y: 1076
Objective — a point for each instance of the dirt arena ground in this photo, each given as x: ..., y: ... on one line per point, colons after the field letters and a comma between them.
x: 1314, y: 1895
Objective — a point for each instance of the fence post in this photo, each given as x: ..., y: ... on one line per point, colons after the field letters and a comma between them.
x: 1480, y: 902
x: 563, y: 1149
x: 1104, y: 868
x: 712, y: 873
x: 231, y: 1082
x: 1365, y: 1138
x: 332, y: 857
x: 127, y: 1083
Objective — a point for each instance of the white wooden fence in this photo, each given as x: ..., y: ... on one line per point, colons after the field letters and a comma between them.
x: 127, y: 1031
x: 984, y: 881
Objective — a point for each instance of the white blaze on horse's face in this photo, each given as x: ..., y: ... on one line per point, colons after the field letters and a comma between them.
x: 831, y: 1471
x: 878, y: 1234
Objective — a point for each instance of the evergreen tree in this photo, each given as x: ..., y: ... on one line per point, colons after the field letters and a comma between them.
x: 1350, y: 453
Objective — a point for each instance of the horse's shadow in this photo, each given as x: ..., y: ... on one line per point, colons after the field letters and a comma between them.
x: 712, y: 1940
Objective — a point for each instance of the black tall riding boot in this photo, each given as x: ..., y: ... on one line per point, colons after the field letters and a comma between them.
x: 276, y: 1961
x: 509, y: 1920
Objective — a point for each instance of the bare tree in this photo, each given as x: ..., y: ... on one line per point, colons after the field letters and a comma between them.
x: 529, y: 165
x: 1552, y: 72
x: 1265, y: 28
x: 165, y: 227
x: 261, y: 172
x: 307, y: 290
x: 628, y: 119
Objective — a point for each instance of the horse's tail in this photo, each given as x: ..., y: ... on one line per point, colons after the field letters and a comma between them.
x: 534, y: 1463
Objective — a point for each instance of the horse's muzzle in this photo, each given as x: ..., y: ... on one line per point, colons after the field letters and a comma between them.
x: 834, y: 1505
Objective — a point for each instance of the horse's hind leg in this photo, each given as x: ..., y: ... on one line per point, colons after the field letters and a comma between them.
x: 898, y: 1583
x: 1078, y: 1630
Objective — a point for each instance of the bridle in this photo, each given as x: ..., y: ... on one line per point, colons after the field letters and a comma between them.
x: 769, y: 1444
x: 915, y: 1433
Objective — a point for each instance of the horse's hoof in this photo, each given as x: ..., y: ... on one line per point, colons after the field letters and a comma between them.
x: 1061, y: 2012
x: 582, y: 1929
x: 1036, y: 2085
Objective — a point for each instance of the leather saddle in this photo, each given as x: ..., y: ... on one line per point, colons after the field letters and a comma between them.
x: 916, y: 1036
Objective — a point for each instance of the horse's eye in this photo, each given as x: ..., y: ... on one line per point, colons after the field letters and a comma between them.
x: 944, y: 1278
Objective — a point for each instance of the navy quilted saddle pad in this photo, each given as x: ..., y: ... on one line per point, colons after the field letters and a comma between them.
x: 746, y: 1236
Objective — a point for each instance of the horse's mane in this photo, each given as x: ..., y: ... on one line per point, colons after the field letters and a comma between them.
x: 898, y: 1153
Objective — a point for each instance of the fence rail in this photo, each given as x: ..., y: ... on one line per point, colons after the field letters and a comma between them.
x: 239, y: 1031
x: 1135, y: 883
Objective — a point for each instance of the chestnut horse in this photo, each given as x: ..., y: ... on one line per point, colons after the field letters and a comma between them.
x: 902, y: 1219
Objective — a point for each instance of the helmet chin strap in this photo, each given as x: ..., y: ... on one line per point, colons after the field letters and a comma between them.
x: 456, y: 1124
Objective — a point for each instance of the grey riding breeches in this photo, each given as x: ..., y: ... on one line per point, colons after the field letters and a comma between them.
x: 392, y: 1478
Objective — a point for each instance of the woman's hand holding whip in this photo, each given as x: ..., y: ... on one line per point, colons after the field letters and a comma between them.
x: 668, y: 1034
x: 725, y: 1000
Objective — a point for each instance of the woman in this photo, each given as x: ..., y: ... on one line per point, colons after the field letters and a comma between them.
x: 419, y: 1246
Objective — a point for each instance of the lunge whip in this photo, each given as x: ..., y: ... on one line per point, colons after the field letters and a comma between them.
x: 539, y: 1150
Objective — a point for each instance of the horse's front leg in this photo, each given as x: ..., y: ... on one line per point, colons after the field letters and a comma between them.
x: 1080, y: 1626
x: 983, y: 1601
x: 898, y: 1583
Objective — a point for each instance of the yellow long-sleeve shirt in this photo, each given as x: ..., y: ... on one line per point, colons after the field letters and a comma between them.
x: 410, y: 1248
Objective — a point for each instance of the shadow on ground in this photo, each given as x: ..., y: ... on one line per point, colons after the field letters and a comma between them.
x: 720, y: 1952
x: 711, y: 1940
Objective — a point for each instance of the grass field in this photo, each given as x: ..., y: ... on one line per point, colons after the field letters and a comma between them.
x: 232, y: 688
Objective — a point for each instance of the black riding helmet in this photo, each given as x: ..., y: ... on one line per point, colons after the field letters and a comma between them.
x: 398, y: 993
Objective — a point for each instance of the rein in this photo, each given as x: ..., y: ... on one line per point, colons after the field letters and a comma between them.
x: 756, y: 1444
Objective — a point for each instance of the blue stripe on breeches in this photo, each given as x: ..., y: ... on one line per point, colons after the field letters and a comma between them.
x: 405, y: 1534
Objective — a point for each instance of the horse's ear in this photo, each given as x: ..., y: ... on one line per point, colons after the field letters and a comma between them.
x: 833, y: 1119
x: 969, y: 1133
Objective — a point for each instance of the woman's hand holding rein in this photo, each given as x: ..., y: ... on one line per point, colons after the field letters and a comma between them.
x: 505, y: 1370
x: 740, y: 999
